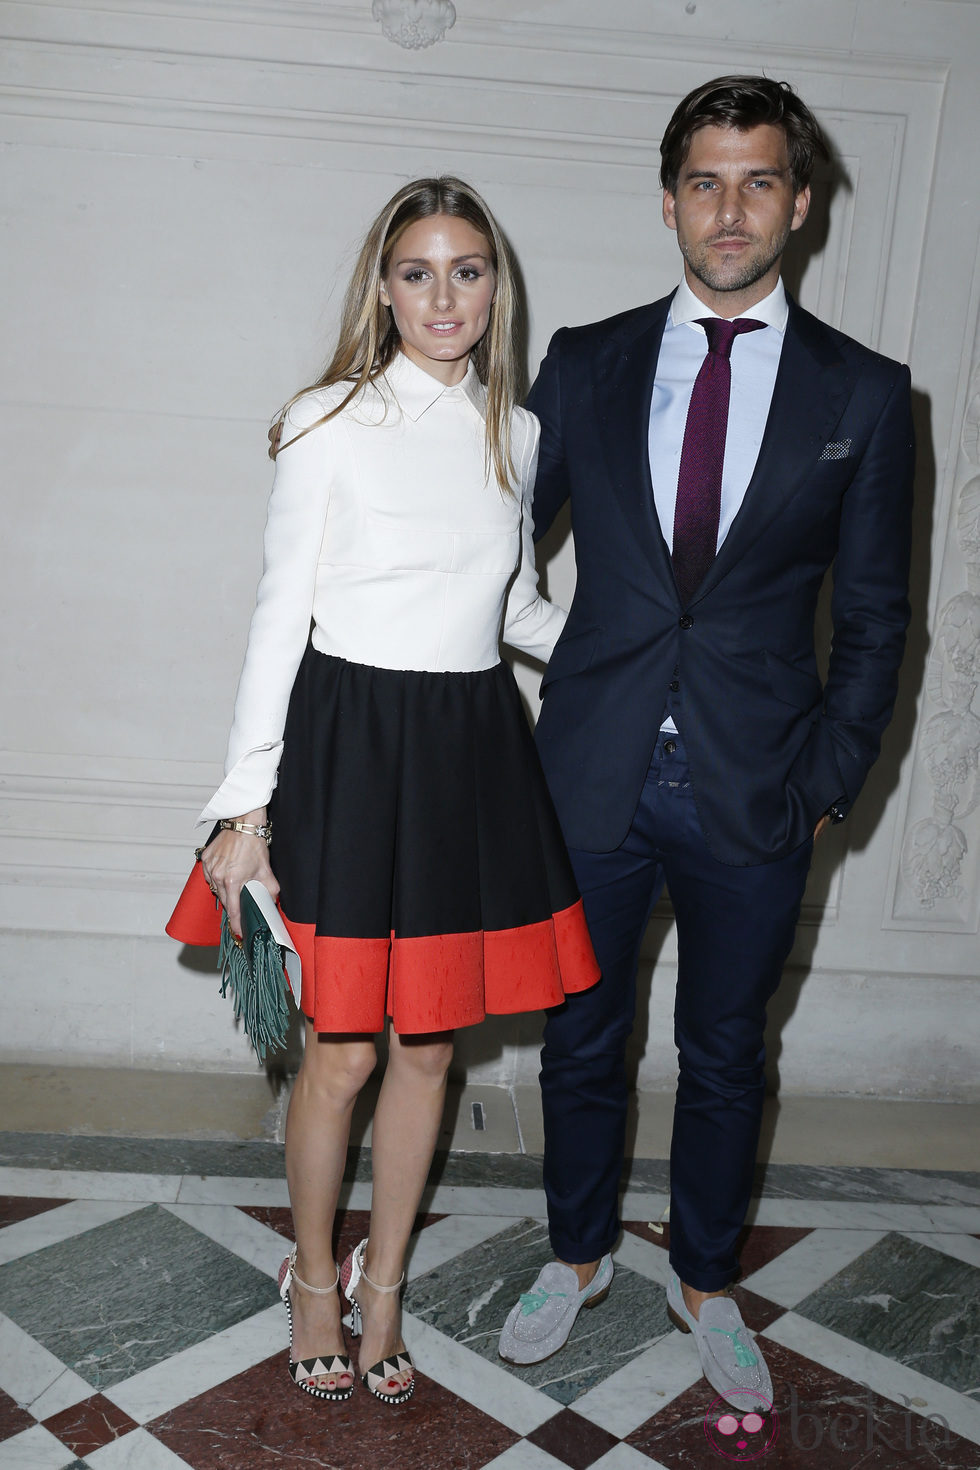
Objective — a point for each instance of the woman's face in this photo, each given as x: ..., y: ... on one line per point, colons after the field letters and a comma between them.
x: 439, y: 285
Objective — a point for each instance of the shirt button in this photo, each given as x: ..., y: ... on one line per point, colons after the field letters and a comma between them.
x: 669, y: 747
x: 675, y: 684
x: 686, y: 621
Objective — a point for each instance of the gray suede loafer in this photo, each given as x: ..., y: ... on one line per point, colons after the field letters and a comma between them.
x: 730, y: 1359
x: 540, y: 1322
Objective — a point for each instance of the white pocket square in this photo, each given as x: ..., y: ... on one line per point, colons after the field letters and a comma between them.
x: 840, y: 450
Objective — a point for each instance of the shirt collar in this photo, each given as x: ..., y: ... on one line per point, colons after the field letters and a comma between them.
x: 415, y: 390
x: 772, y: 309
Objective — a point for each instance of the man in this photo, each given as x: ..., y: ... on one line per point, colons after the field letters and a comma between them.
x: 720, y: 449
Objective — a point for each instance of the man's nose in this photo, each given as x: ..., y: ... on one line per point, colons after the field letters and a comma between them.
x: 730, y: 207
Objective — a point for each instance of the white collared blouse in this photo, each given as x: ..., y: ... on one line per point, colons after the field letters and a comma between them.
x: 385, y: 528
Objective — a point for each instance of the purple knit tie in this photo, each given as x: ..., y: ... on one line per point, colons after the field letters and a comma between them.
x: 698, y: 504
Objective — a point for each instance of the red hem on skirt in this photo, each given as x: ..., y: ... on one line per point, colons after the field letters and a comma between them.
x: 430, y: 983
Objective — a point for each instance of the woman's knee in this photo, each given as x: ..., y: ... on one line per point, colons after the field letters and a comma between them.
x: 339, y: 1068
x: 427, y: 1058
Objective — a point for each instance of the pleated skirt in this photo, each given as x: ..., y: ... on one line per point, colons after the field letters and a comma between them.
x: 423, y: 875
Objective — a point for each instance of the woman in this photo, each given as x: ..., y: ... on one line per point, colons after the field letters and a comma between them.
x: 417, y: 857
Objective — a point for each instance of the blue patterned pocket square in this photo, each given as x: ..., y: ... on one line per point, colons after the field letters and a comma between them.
x: 839, y: 450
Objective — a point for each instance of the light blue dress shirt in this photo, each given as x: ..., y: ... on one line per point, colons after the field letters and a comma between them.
x: 754, y: 360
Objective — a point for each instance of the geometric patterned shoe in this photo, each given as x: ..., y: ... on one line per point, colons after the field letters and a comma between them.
x: 382, y: 1375
x: 730, y: 1359
x: 305, y: 1372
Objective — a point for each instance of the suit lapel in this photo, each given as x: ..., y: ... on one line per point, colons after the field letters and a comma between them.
x: 625, y: 370
x: 811, y: 389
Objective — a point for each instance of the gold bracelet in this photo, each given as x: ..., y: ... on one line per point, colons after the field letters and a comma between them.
x: 249, y: 829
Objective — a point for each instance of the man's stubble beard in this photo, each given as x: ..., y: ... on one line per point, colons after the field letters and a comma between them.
x: 698, y: 261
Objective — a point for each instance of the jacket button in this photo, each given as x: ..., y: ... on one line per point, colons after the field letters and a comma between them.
x: 675, y: 684
x: 686, y: 621
x: 669, y: 747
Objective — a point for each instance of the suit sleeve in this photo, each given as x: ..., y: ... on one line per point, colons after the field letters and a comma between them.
x: 551, y: 487
x: 870, y: 607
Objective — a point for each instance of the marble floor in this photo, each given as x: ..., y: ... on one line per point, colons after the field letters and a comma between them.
x: 140, y: 1325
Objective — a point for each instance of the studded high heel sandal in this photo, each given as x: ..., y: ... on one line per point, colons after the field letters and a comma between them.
x: 351, y: 1272
x: 307, y: 1370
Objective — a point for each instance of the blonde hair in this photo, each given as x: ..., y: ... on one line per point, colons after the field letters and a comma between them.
x: 369, y: 338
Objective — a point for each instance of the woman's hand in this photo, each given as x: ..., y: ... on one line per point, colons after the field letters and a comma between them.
x: 233, y: 859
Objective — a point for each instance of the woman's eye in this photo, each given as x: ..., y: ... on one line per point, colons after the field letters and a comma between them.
x: 468, y: 273
x: 415, y: 275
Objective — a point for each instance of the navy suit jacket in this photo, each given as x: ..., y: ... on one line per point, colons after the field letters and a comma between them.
x: 770, y: 747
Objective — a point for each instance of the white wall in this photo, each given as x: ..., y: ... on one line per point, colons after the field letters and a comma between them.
x: 184, y: 183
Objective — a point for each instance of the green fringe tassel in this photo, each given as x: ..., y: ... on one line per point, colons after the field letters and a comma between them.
x: 258, y: 985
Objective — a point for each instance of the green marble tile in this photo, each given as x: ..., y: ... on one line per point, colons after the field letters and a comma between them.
x: 469, y: 1297
x: 908, y: 1302
x: 114, y: 1300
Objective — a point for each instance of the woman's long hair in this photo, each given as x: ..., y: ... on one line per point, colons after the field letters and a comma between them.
x: 369, y: 338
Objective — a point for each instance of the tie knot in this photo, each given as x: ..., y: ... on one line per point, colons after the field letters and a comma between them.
x: 721, y: 333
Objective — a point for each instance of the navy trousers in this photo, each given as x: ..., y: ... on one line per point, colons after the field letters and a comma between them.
x: 735, y: 928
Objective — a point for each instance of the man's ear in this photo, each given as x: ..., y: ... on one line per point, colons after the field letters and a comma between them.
x: 670, y: 217
x: 801, y: 207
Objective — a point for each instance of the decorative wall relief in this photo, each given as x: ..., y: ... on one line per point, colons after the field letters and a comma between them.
x: 936, y: 847
x: 414, y: 23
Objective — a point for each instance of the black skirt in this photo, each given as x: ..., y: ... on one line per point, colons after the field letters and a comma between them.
x: 423, y: 873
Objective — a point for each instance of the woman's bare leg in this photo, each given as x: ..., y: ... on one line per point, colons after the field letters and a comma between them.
x: 406, y: 1127
x: 317, y: 1131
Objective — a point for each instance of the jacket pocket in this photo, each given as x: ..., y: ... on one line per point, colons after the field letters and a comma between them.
x: 792, y: 685
x: 573, y: 654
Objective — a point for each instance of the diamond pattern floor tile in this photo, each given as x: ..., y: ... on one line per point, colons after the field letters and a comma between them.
x: 822, y: 1422
x: 573, y: 1440
x: 259, y: 1419
x: 469, y: 1297
x: 123, y: 1296
x: 757, y: 1244
x: 911, y: 1303
x: 12, y: 1417
x: 89, y: 1425
x: 15, y: 1207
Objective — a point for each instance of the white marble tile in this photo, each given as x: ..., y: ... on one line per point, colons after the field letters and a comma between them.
x: 845, y: 1215
x: 135, y: 1451
x: 198, y: 1368
x: 625, y: 1457
x: 883, y: 1375
x: 526, y: 1456
x: 475, y: 1199
x: 85, y: 1184
x: 254, y: 1242
x: 53, y: 1226
x: 482, y: 1384
x: 627, y: 1398
x: 964, y: 1248
x: 64, y: 1393
x: 798, y: 1271
x: 643, y: 1205
x: 212, y: 1189
x: 448, y: 1238
x: 645, y: 1259
x: 33, y: 1449
x: 29, y: 1373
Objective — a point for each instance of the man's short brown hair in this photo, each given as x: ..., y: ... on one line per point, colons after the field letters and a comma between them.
x: 743, y: 103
